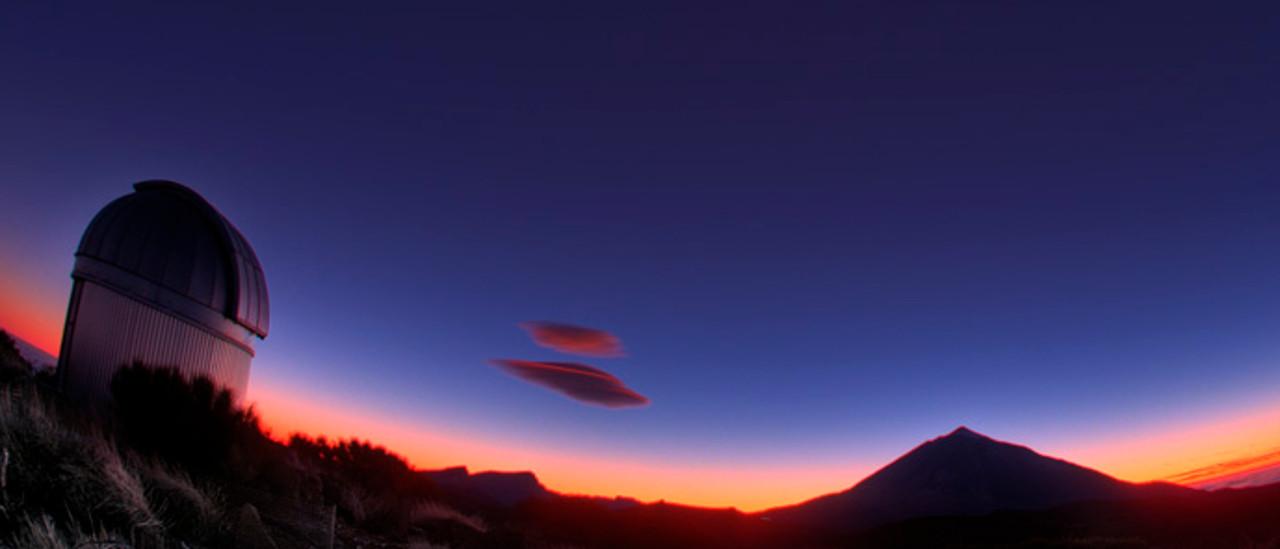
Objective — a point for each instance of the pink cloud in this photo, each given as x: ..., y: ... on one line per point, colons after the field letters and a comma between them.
x: 577, y: 381
x: 574, y: 340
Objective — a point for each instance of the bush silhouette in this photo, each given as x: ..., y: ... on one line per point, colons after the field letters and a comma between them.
x: 370, y: 485
x: 12, y: 365
x: 159, y: 413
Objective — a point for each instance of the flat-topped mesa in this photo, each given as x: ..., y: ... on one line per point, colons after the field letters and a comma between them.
x: 491, y: 487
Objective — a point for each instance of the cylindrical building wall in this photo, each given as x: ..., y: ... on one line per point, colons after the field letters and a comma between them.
x: 112, y: 331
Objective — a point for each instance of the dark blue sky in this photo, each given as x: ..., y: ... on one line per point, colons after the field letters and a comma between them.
x: 822, y: 232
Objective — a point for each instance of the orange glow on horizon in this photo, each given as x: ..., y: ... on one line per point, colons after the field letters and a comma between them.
x: 1192, y: 455
x: 1211, y: 449
x: 1224, y: 471
x: 748, y: 489
x: 30, y: 318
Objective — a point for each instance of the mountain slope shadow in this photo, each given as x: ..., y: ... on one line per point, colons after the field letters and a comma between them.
x: 962, y: 474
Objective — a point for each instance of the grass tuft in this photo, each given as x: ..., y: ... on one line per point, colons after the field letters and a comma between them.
x: 70, y: 475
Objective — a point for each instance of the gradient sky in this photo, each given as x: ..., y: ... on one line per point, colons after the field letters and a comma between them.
x: 822, y: 233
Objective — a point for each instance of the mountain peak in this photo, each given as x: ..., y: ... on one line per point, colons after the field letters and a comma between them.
x: 961, y: 473
x: 962, y: 437
x: 965, y: 432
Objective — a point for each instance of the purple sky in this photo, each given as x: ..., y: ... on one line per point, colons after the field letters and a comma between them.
x: 831, y: 231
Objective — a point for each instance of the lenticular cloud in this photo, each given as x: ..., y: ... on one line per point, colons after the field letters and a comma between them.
x: 577, y: 381
x: 574, y: 340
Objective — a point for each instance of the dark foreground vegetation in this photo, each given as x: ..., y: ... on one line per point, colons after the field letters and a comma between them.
x: 177, y: 464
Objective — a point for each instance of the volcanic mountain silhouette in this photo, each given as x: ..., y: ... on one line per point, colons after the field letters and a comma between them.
x: 963, y: 474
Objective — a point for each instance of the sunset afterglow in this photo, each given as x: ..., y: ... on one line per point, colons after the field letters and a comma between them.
x: 726, y: 485
x: 1224, y: 447
x: 1230, y: 443
x: 28, y: 316
x: 725, y: 256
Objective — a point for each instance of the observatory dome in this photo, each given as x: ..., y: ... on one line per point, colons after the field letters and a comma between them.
x: 162, y: 278
x: 166, y: 234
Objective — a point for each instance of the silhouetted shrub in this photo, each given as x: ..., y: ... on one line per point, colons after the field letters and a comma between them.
x: 12, y: 365
x: 187, y: 457
x: 372, y: 466
x: 160, y: 414
x: 371, y: 486
x: 427, y: 510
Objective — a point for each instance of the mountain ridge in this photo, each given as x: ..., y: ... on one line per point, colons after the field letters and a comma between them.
x: 501, y: 488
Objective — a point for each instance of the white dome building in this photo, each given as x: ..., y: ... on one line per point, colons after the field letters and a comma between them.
x: 163, y: 279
